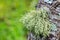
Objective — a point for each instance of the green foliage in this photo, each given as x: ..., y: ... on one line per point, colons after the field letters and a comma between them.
x: 37, y: 21
x: 10, y: 13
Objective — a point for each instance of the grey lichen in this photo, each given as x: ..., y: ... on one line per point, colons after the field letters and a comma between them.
x: 37, y: 21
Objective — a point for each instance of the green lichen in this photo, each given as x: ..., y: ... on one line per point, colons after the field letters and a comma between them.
x: 37, y: 21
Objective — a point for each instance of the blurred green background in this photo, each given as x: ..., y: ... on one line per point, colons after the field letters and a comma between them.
x: 10, y: 13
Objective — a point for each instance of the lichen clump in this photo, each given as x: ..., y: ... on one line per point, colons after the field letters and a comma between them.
x: 37, y: 21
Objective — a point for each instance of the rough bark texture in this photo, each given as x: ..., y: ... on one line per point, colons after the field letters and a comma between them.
x: 54, y: 16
